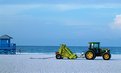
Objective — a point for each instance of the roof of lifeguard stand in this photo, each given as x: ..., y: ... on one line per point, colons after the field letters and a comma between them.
x: 5, y: 37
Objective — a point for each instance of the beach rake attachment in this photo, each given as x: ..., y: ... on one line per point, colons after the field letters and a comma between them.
x: 65, y: 52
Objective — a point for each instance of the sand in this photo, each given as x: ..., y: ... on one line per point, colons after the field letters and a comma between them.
x: 46, y: 63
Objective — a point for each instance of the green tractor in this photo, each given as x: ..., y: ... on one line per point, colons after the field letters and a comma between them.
x: 95, y: 50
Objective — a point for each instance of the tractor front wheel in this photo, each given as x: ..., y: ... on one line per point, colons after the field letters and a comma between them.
x: 58, y: 56
x: 106, y: 56
x: 90, y: 55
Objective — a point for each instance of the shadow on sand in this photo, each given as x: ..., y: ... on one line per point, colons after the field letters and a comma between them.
x: 97, y: 59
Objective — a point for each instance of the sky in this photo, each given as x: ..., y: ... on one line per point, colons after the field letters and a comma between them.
x: 53, y: 22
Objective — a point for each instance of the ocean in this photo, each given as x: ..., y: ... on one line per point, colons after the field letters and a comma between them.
x: 53, y: 49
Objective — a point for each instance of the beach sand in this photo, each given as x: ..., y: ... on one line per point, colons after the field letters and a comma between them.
x: 46, y: 63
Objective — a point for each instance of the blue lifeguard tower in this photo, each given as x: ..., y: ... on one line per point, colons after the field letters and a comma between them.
x: 6, y: 47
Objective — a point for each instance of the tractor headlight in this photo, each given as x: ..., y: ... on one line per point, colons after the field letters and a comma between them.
x: 107, y: 50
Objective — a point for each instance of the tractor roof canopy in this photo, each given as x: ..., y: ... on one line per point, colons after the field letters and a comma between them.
x: 94, y: 42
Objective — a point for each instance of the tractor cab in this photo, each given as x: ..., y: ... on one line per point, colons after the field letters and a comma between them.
x: 95, y: 46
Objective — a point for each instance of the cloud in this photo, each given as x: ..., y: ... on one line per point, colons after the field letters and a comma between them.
x: 58, y: 1
x: 66, y: 7
x: 12, y: 9
x: 117, y: 22
x: 15, y: 9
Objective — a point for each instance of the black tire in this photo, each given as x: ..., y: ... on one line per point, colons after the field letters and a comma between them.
x: 13, y: 52
x: 92, y: 55
x: 106, y: 56
x: 6, y: 52
x: 58, y: 56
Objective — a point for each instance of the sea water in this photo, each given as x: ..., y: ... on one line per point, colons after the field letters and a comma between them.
x: 53, y: 49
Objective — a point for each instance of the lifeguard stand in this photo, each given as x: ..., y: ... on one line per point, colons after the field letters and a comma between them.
x: 6, y: 47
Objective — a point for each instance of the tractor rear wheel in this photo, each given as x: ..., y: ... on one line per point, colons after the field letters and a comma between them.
x: 58, y: 56
x: 106, y: 56
x: 90, y: 55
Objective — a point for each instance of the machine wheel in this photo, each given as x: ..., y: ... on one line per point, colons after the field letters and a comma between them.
x: 12, y: 52
x: 90, y: 55
x: 5, y: 51
x: 58, y: 56
x: 106, y: 56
